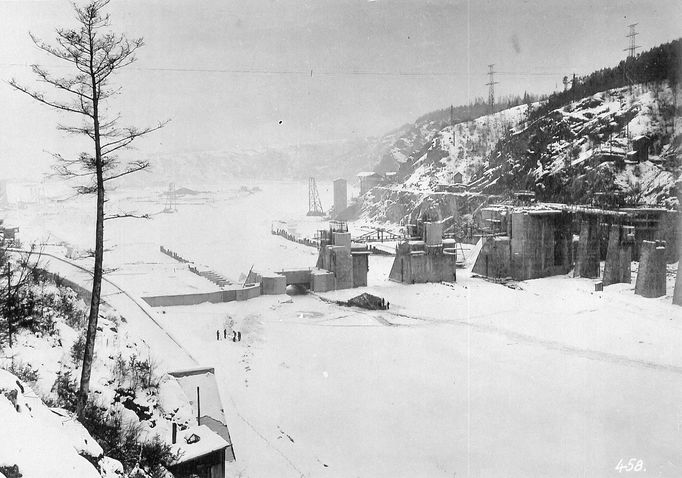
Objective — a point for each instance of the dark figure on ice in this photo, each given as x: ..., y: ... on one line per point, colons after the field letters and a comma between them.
x: 217, y: 334
x: 239, y: 336
x: 224, y: 333
x: 388, y: 305
x: 234, y: 336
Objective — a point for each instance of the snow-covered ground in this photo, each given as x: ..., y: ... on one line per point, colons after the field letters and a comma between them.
x: 472, y: 379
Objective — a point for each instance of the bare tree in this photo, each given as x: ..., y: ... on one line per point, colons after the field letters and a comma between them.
x: 95, y: 53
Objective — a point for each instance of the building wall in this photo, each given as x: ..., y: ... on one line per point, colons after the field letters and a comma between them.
x: 207, y: 466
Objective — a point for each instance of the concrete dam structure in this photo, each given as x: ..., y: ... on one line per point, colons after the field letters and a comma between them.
x: 425, y: 256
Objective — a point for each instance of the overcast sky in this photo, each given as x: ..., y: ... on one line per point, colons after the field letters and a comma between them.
x: 237, y: 74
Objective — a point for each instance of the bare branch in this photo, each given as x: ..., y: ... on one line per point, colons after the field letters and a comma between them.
x: 132, y: 134
x: 133, y: 167
x: 41, y: 99
x: 64, y: 84
x: 126, y: 215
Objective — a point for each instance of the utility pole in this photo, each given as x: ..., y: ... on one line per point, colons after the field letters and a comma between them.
x: 491, y: 88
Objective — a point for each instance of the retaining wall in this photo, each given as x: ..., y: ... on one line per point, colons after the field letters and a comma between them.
x: 229, y: 295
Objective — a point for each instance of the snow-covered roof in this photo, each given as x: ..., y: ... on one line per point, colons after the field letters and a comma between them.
x: 197, y: 441
x: 202, y: 378
x: 367, y: 174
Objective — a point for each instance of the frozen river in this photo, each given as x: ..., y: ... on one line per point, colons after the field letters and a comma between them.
x: 475, y: 380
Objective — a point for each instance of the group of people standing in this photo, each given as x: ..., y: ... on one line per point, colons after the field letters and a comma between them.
x: 236, y: 336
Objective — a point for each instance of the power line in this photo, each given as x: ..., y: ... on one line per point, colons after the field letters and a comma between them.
x: 307, y: 72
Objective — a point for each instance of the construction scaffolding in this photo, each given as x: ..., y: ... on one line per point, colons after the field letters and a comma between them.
x: 171, y: 196
x: 314, y: 204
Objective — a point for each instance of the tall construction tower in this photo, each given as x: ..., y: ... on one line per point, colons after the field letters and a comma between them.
x: 314, y: 204
x: 171, y: 199
x: 631, y: 49
x: 631, y: 35
x: 491, y: 88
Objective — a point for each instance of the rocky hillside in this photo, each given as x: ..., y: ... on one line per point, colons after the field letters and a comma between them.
x: 566, y: 155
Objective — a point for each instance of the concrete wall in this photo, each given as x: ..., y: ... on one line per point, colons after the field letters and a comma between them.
x: 229, y: 295
x: 342, y: 239
x: 360, y: 268
x: 540, y: 245
x: 185, y: 299
x: 342, y: 267
x: 433, y: 232
x: 297, y: 276
x: 274, y: 284
x: 587, y: 264
x: 398, y: 269
x: 619, y: 255
x: 494, y: 260
x: 419, y: 267
x: 323, y: 281
x: 651, y: 275
x: 677, y: 294
x: 248, y: 292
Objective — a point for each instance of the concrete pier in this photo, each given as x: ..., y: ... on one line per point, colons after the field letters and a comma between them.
x: 651, y: 276
x: 677, y: 295
x: 619, y: 255
x: 588, y: 249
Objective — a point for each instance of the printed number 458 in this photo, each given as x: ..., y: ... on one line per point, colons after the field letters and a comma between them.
x: 633, y: 464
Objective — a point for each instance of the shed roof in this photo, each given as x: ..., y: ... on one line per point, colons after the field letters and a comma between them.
x: 197, y: 441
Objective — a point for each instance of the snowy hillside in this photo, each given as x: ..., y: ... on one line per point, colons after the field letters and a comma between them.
x: 591, y: 146
x: 461, y: 148
x: 38, y: 442
x: 132, y: 401
x: 567, y: 155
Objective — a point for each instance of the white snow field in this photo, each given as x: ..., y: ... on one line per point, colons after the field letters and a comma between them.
x: 475, y: 379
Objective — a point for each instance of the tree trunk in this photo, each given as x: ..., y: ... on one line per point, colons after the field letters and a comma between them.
x: 88, y: 354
